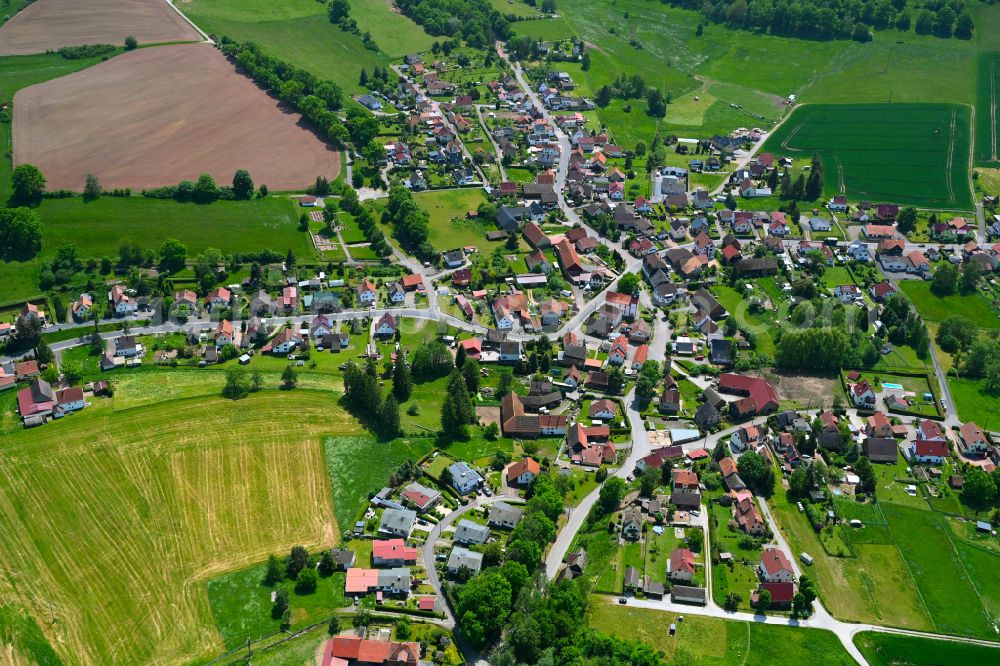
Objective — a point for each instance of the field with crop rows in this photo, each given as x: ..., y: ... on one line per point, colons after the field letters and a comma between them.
x: 904, y: 153
x: 114, y: 518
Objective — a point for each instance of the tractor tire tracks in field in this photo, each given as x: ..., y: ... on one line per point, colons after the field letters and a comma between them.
x: 951, y: 157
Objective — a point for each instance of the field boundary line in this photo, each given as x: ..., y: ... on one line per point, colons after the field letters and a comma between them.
x: 183, y: 16
x: 949, y: 165
x: 909, y: 571
x: 958, y: 555
x: 993, y: 111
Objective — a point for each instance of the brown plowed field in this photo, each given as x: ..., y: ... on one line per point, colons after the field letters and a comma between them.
x: 157, y: 116
x: 50, y: 24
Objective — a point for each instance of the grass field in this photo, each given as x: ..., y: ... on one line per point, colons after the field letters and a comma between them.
x: 937, y: 308
x: 987, y: 97
x: 895, y: 67
x: 18, y: 72
x: 297, y: 31
x: 972, y: 401
x: 113, y: 518
x: 98, y: 227
x: 449, y: 228
x: 716, y: 642
x: 892, y: 650
x: 903, y: 153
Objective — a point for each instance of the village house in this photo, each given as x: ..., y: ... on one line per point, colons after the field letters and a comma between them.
x: 523, y: 472
x: 503, y: 515
x: 681, y: 566
x: 775, y: 567
x: 464, y: 479
x: 397, y: 522
x: 463, y: 558
x: 393, y: 553
x: 468, y: 532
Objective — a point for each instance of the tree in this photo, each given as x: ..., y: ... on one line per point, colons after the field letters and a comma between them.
x: 628, y: 283
x: 964, y: 26
x: 388, y: 418
x: 814, y: 186
x: 402, y: 382
x: 549, y: 6
x: 483, y: 607
x: 237, y: 383
x: 971, y: 273
x: 648, y: 481
x: 28, y: 183
x: 131, y: 43
x: 470, y: 373
x: 456, y: 411
x: 603, y: 97
x: 280, y: 603
x: 290, y: 258
x: 763, y: 600
x: 91, y: 187
x: 505, y: 384
x: 306, y: 581
x: 289, y: 378
x: 733, y: 601
x: 431, y: 361
x: 173, y: 255
x: 756, y: 473
x: 273, y: 574
x: 611, y: 494
x: 907, y: 219
x: 957, y: 332
x: 944, y: 282
x: 980, y: 489
x: 298, y: 559
x: 339, y: 10
x: 460, y: 353
x: 205, y: 189
x: 585, y: 61
x: 20, y: 233
x: 334, y: 627
x: 863, y: 468
x: 242, y: 184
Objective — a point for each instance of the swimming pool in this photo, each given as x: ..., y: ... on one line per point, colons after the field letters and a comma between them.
x: 891, y: 385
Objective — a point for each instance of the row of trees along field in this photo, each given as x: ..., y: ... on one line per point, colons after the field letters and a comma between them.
x: 837, y: 19
x: 316, y: 99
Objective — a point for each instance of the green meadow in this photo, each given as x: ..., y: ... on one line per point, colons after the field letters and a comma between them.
x: 297, y: 31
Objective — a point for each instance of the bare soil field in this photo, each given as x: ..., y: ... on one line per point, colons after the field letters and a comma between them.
x: 51, y: 24
x: 807, y: 390
x: 157, y: 116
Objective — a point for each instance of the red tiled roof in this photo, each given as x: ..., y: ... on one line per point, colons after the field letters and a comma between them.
x: 774, y: 561
x: 522, y: 466
x: 393, y: 549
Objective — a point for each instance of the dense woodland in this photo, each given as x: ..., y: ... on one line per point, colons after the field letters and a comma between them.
x: 837, y: 19
x: 476, y: 21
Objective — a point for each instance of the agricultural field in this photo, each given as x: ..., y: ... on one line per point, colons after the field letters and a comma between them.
x: 894, y: 650
x: 46, y: 25
x: 894, y: 67
x: 17, y: 72
x: 299, y: 32
x: 716, y: 642
x: 987, y: 97
x: 177, y: 125
x: 124, y: 530
x: 905, y: 153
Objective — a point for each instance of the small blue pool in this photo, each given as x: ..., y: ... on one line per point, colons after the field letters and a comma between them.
x: 891, y: 385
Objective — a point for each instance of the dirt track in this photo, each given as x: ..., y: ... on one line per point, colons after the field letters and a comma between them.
x: 50, y: 24
x: 161, y: 115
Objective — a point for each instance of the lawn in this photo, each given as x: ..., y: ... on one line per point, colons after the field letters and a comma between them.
x: 904, y: 153
x: 937, y: 308
x: 299, y: 32
x: 241, y: 604
x: 359, y: 466
x: 18, y: 72
x: 972, y: 401
x: 713, y: 641
x: 892, y: 650
x: 735, y: 304
x: 449, y: 227
x: 114, y: 518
